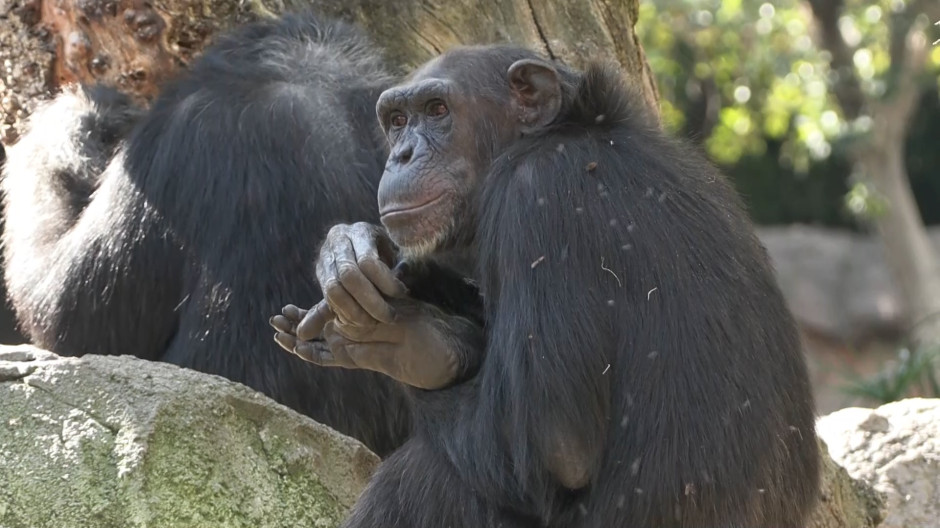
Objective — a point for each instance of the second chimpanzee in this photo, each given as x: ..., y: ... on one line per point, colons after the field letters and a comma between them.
x: 170, y: 233
x: 636, y: 364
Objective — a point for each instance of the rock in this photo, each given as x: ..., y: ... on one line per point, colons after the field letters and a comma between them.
x: 121, y: 442
x: 896, y: 448
x: 837, y: 282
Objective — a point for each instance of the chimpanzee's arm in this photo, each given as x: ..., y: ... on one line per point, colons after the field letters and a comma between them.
x: 88, y: 267
x: 536, y: 415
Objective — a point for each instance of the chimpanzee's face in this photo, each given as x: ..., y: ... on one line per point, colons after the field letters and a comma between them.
x: 442, y: 143
x: 445, y: 126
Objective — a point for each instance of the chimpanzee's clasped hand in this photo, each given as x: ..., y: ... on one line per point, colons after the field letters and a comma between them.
x: 356, y: 327
x: 354, y: 272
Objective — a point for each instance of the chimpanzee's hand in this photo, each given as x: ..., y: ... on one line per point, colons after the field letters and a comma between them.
x: 423, y: 347
x: 354, y: 271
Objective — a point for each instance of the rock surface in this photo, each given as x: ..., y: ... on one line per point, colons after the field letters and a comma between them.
x: 837, y: 282
x: 896, y: 448
x: 121, y: 442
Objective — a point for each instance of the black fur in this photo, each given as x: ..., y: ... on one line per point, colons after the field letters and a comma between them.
x: 630, y: 311
x: 175, y: 241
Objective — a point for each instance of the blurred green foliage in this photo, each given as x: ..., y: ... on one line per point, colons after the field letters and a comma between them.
x: 746, y: 80
x: 912, y: 373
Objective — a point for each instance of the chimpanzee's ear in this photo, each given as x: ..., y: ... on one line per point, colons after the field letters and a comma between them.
x: 536, y: 90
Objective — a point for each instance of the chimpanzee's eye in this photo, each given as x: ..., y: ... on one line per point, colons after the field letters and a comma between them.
x: 437, y: 108
x: 399, y: 120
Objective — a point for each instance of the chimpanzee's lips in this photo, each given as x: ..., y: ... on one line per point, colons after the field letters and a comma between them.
x: 395, y: 210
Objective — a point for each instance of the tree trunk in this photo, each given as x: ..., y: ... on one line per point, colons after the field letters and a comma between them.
x: 879, y: 160
x: 136, y: 44
x: 908, y: 250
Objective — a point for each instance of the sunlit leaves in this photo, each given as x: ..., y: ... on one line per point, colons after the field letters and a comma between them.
x: 862, y: 200
x: 772, y: 79
x: 760, y: 57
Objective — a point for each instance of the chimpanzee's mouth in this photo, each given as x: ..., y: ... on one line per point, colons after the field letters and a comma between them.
x: 394, y: 210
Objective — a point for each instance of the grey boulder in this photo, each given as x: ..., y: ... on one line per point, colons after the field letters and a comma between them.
x: 121, y: 442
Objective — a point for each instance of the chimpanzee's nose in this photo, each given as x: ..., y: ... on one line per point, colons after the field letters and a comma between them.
x: 403, y: 154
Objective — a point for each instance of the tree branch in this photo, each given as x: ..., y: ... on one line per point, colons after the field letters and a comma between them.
x: 847, y: 89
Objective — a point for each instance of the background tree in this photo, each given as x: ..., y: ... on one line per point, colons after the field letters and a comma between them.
x: 882, y: 62
x: 136, y: 44
x: 807, y: 102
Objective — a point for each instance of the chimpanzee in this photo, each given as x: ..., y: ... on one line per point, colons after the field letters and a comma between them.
x: 635, y: 364
x: 171, y: 233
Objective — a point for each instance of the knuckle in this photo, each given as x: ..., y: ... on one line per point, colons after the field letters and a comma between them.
x: 347, y: 271
x: 365, y: 231
x: 384, y: 312
x: 338, y: 229
x: 332, y: 287
x: 367, y: 260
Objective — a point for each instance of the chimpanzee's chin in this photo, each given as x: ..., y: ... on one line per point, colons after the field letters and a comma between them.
x: 415, y: 243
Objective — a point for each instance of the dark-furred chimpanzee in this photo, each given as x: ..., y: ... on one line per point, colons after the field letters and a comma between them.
x: 635, y: 365
x: 172, y: 233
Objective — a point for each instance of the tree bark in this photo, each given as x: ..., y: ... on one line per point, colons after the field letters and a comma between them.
x: 137, y: 44
x: 911, y: 256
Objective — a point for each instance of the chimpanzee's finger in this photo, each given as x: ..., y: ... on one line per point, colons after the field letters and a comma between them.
x: 366, y: 240
x: 311, y: 327
x: 286, y: 341
x: 358, y: 286
x: 343, y: 304
x: 376, y: 333
x: 282, y: 324
x: 293, y: 313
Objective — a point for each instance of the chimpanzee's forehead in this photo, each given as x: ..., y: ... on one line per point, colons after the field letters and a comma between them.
x: 476, y: 67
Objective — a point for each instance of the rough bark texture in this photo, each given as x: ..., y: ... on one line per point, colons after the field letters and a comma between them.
x: 845, y: 502
x: 136, y: 44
